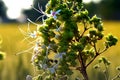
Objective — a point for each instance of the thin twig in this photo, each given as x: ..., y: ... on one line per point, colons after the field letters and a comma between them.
x: 117, y: 76
x: 91, y: 61
x: 103, y: 50
x: 96, y: 54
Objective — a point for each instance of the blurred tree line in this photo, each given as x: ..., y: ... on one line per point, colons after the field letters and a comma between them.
x: 106, y: 9
x: 2, y: 11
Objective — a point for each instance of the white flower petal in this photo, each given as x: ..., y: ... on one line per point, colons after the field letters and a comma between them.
x: 28, y: 77
x: 52, y: 70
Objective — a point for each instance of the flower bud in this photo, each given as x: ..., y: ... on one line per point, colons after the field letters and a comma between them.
x: 96, y: 66
x: 111, y: 40
x: 2, y: 55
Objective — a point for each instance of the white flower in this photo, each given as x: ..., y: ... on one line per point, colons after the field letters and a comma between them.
x: 52, y: 13
x: 60, y: 55
x: 34, y: 57
x: 52, y: 70
x: 28, y: 77
x: 55, y: 13
x: 34, y: 34
x: 43, y: 66
x: 43, y: 46
x: 57, y: 36
x: 59, y: 29
x: 37, y: 47
x: 50, y: 46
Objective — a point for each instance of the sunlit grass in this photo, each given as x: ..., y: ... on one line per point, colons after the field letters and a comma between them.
x: 17, y: 67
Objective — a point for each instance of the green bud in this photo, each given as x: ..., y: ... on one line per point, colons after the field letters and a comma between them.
x: 84, y: 39
x: 95, y: 19
x: 118, y: 68
x: 49, y: 21
x: 92, y: 33
x: 43, y: 29
x: 80, y: 5
x: 105, y: 61
x: 66, y: 14
x: 2, y: 55
x: 80, y: 46
x: 100, y: 35
x: 96, y: 66
x: 61, y: 6
x: 99, y: 27
x: 69, y: 72
x: 111, y: 40
x: 68, y: 35
x: 51, y: 34
x: 53, y: 3
x: 100, y: 60
x: 77, y: 17
x: 84, y: 15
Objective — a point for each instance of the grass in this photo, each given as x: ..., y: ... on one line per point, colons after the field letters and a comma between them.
x: 17, y: 67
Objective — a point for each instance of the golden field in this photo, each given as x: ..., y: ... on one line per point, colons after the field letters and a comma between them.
x: 16, y: 67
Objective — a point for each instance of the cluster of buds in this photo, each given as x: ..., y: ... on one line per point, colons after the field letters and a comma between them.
x: 62, y: 45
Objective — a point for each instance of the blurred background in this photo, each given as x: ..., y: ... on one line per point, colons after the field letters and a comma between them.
x: 14, y: 13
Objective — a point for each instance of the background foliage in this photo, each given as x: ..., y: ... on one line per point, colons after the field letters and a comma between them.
x: 18, y: 67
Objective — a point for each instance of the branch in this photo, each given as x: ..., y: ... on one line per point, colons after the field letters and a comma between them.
x: 103, y: 50
x: 97, y: 54
x: 91, y: 61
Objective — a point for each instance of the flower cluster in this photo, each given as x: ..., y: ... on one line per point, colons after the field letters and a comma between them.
x: 66, y: 40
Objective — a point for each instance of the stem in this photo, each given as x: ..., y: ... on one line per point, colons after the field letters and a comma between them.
x: 106, y: 72
x: 117, y: 76
x: 96, y: 52
x: 83, y: 67
x: 92, y: 60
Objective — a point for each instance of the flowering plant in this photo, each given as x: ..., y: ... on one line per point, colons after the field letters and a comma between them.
x: 66, y: 40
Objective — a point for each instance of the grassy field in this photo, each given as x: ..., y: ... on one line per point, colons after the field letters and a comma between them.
x: 17, y: 67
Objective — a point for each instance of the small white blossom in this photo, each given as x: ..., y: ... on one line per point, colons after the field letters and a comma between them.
x: 59, y: 29
x: 52, y: 70
x: 43, y: 66
x: 57, y: 36
x: 34, y: 57
x: 37, y: 47
x: 34, y: 34
x: 55, y: 13
x: 28, y: 77
x: 43, y: 46
x: 60, y: 55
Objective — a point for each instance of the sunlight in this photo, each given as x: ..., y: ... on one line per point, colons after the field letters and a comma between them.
x: 88, y: 1
x: 15, y: 7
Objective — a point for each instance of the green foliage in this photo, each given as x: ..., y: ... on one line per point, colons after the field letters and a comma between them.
x: 70, y: 47
x: 111, y: 40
